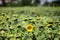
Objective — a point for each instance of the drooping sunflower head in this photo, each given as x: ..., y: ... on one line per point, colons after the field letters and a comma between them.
x: 29, y: 28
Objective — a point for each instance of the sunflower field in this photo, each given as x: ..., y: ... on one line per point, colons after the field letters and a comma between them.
x: 29, y: 23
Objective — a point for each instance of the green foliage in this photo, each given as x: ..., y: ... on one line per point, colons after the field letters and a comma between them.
x: 20, y: 3
x: 26, y: 2
x: 45, y: 20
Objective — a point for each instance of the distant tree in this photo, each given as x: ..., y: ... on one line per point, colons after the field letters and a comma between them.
x: 57, y: 3
x: 3, y: 3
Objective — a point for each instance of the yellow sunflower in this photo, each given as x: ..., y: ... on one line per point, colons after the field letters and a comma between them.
x: 29, y: 28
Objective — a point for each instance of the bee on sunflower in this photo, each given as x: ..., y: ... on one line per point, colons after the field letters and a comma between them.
x: 29, y: 28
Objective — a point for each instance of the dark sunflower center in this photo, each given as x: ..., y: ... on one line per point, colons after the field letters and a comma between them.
x: 29, y: 27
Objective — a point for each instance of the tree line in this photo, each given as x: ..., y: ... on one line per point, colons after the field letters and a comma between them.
x: 28, y: 2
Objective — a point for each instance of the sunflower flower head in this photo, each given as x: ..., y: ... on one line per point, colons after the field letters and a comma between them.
x: 29, y: 28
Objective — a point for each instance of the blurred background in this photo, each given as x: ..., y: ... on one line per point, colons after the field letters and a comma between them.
x: 17, y: 3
